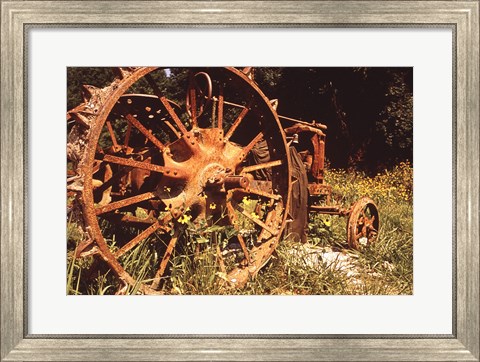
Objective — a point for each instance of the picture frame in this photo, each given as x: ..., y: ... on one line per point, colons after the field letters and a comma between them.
x: 18, y: 345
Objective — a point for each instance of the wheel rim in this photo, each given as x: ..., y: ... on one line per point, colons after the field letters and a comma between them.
x: 153, y: 171
x: 363, y: 224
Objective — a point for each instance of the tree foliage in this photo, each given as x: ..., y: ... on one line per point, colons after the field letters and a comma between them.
x: 368, y: 111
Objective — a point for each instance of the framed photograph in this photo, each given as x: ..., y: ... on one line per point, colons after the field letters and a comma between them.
x: 268, y: 180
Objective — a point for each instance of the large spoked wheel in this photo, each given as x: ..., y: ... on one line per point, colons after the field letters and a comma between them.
x: 363, y: 222
x: 158, y: 177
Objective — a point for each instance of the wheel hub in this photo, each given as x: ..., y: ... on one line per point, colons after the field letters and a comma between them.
x: 208, y: 163
x: 213, y: 176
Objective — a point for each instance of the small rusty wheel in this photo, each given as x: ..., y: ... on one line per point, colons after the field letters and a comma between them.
x: 151, y: 175
x: 363, y: 222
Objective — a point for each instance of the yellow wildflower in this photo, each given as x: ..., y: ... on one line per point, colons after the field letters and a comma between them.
x: 246, y: 201
x: 184, y: 219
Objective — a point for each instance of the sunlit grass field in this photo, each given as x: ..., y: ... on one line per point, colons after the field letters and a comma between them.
x: 322, y: 266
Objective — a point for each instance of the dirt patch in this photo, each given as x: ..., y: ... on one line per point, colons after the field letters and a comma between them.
x: 343, y: 261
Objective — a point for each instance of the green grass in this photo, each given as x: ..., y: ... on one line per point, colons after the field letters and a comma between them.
x: 383, y: 268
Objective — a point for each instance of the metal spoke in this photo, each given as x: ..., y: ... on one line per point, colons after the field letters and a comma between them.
x: 173, y: 115
x: 262, y: 166
x: 237, y: 122
x: 259, y: 193
x: 125, y: 202
x: 252, y: 143
x: 193, y: 106
x: 234, y: 220
x: 112, y: 134
x: 166, y: 104
x: 257, y: 221
x: 137, y: 239
x: 173, y: 129
x: 368, y: 220
x: 220, y: 108
x: 139, y: 164
x: 270, y: 217
x: 359, y: 235
x: 166, y: 257
x: 131, y: 119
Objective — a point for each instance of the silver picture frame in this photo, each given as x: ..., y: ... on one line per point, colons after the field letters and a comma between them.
x: 461, y: 16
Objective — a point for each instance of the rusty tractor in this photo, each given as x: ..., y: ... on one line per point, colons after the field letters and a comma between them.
x: 142, y: 167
